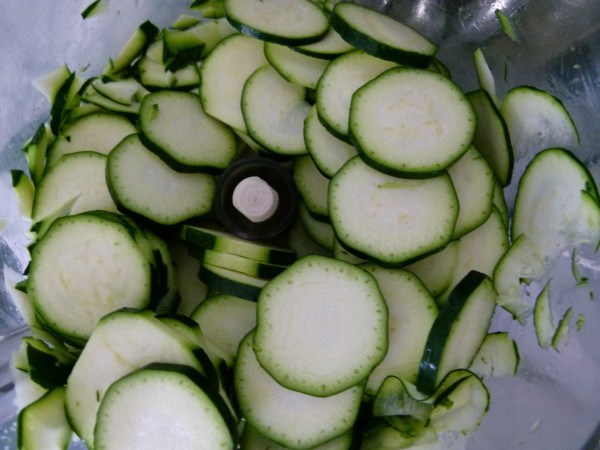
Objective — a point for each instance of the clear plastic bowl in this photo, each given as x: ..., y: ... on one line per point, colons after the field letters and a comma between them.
x: 554, y: 401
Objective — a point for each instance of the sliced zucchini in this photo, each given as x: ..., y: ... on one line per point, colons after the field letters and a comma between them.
x: 318, y: 230
x: 143, y: 184
x: 83, y: 268
x: 225, y: 320
x: 411, y: 310
x: 178, y: 406
x: 411, y: 122
x: 436, y: 270
x: 491, y: 136
x: 135, y: 46
x: 43, y: 424
x: 285, y: 416
x: 175, y: 127
x: 480, y: 249
x: 35, y: 150
x: 126, y: 91
x: 208, y: 33
x: 25, y: 192
x: 274, y: 111
x: 98, y: 132
x: 391, y: 219
x: 92, y: 96
x: 498, y: 356
x: 252, y: 439
x: 332, y: 299
x: 485, y: 76
x: 537, y: 120
x: 542, y: 316
x: 327, y: 151
x: 224, y: 73
x: 562, y: 330
x: 551, y: 207
x: 458, y: 330
x: 462, y: 407
x: 295, y: 67
x: 213, y: 239
x: 122, y: 342
x: 286, y: 22
x: 473, y: 180
x: 328, y: 47
x: 191, y: 289
x: 313, y: 186
x: 251, y: 267
x: 342, y: 77
x: 522, y: 262
x: 80, y: 176
x: 379, y: 35
x: 232, y: 282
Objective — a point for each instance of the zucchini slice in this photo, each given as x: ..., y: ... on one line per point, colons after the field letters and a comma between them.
x: 390, y: 219
x: 178, y: 407
x: 43, y: 423
x: 542, y: 317
x: 497, y: 357
x: 286, y: 22
x: 380, y: 35
x: 411, y: 122
x: 251, y: 267
x: 313, y: 186
x: 295, y: 67
x: 224, y: 321
x: 232, y: 282
x: 175, y: 127
x: 288, y: 417
x: 142, y: 183
x: 342, y: 77
x: 473, y: 180
x: 491, y: 136
x: 274, y: 111
x: 461, y: 407
x: 222, y: 241
x: 411, y: 310
x: 328, y: 47
x: 122, y: 342
x: 436, y: 271
x: 480, y: 249
x: 320, y: 231
x: 80, y: 176
x: 537, y: 120
x: 224, y: 73
x: 98, y: 132
x: 338, y: 332
x: 458, y: 330
x: 327, y: 151
x: 550, y: 206
x: 84, y: 267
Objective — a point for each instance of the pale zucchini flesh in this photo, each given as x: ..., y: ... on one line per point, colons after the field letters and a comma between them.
x: 347, y: 317
x: 396, y: 215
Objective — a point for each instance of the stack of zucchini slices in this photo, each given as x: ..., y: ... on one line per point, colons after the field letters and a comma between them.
x: 368, y: 321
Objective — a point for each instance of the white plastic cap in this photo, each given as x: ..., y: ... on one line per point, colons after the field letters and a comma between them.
x: 255, y: 199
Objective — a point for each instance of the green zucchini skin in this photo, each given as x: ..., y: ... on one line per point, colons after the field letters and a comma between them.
x: 449, y: 322
x: 372, y: 45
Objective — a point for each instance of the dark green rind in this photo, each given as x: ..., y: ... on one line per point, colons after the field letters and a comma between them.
x: 441, y: 328
x: 374, y: 47
x: 270, y: 37
x: 483, y: 99
x: 202, y: 237
x: 227, y: 286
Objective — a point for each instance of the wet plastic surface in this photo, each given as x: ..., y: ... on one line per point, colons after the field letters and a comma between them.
x: 554, y: 402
